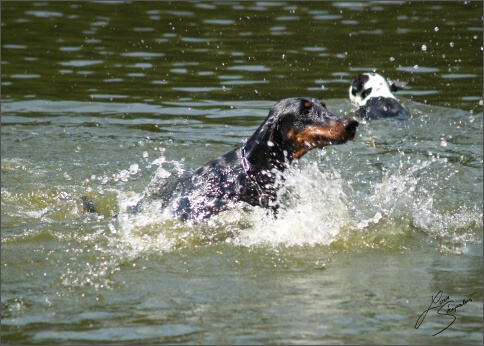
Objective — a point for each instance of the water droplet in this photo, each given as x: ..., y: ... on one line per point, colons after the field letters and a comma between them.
x: 436, y: 29
x: 133, y: 169
x: 424, y: 48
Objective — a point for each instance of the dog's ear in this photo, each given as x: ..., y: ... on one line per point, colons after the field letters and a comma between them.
x: 396, y: 85
x: 358, y: 83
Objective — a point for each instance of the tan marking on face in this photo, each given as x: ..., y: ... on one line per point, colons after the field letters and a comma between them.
x: 317, y: 137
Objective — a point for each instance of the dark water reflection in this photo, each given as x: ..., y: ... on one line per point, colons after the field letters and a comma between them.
x: 158, y: 51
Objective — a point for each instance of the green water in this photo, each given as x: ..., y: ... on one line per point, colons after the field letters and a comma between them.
x: 98, y: 98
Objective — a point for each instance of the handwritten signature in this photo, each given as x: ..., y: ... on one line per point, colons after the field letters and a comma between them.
x: 444, y: 308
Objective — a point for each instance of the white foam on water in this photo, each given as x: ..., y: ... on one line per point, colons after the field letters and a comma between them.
x: 313, y: 210
x: 317, y: 207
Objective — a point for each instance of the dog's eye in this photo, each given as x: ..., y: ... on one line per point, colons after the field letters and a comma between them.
x: 305, y: 106
x: 365, y: 93
x: 323, y: 103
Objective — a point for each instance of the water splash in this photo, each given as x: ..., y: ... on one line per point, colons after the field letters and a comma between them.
x: 395, y: 205
x: 313, y: 210
x: 318, y: 206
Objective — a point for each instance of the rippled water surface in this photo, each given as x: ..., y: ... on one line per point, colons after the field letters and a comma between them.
x: 98, y: 98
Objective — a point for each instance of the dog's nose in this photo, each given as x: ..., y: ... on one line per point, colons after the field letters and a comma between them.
x: 350, y: 125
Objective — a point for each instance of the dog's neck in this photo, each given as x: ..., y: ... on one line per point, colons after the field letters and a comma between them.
x: 266, y: 153
x: 260, y: 181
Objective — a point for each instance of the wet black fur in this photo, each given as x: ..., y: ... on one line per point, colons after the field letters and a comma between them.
x: 212, y: 187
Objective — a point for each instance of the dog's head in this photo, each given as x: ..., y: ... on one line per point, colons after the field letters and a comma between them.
x: 296, y: 125
x: 373, y: 94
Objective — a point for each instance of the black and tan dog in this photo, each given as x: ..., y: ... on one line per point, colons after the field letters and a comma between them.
x: 248, y: 173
